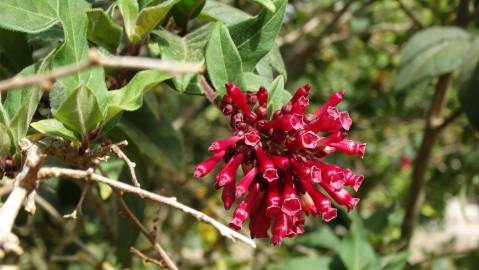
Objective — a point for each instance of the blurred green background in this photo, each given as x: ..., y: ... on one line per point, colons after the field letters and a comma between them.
x: 359, y: 52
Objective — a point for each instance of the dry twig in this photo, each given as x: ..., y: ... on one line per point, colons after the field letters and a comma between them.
x: 96, y: 59
x: 45, y: 173
x: 168, y: 262
x: 131, y: 165
x: 146, y: 258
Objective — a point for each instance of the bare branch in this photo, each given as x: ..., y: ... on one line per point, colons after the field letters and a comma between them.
x: 25, y: 182
x: 146, y: 258
x: 45, y: 173
x: 96, y: 59
x: 209, y: 91
x: 168, y: 262
x: 410, y: 14
x: 131, y: 165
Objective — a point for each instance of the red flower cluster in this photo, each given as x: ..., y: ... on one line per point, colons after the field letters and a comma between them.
x: 280, y: 159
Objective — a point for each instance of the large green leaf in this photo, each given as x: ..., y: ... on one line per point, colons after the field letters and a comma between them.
x: 432, y: 52
x: 102, y: 30
x: 217, y: 11
x: 255, y: 37
x: 395, y: 261
x: 323, y: 237
x: 129, y: 12
x: 130, y: 96
x: 355, y: 250
x: 19, y: 108
x: 278, y: 96
x: 149, y: 17
x: 30, y: 16
x: 183, y: 49
x: 53, y: 127
x: 273, y: 61
x: 302, y: 263
x: 249, y: 81
x: 469, y: 82
x: 139, y: 24
x: 222, y: 58
x: 80, y: 111
x: 4, y: 140
x: 186, y: 10
x: 268, y: 4
x: 73, y: 15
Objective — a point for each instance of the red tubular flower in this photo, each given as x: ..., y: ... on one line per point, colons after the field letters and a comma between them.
x: 206, y: 166
x: 239, y: 99
x: 260, y: 223
x: 273, y: 201
x: 349, y: 147
x: 228, y: 172
x: 284, y: 177
x: 332, y: 101
x: 280, y: 229
x: 291, y: 205
x: 245, y: 182
x: 222, y: 144
x: 244, y: 208
x: 228, y: 195
x: 266, y: 165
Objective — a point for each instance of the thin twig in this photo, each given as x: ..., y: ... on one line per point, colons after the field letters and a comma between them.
x: 45, y: 173
x: 79, y: 206
x: 131, y: 165
x: 146, y: 258
x: 421, y: 161
x: 293, y: 36
x: 209, y: 91
x: 168, y: 262
x: 410, y: 14
x: 96, y: 59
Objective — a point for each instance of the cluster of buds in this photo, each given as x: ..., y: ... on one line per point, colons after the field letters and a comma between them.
x: 8, y: 167
x: 280, y: 157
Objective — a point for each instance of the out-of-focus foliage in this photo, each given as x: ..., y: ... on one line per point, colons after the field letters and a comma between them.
x: 386, y: 55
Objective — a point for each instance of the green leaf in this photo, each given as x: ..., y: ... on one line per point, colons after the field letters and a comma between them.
x: 30, y: 16
x: 217, y: 11
x: 130, y: 96
x: 53, y: 127
x: 4, y: 140
x: 153, y: 135
x: 75, y: 49
x: 302, y: 263
x: 80, y: 111
x: 468, y: 82
x: 323, y: 237
x: 395, y: 261
x: 278, y: 96
x: 255, y: 37
x: 102, y: 30
x: 19, y: 108
x: 186, y: 10
x: 129, y: 12
x: 272, y: 61
x: 354, y: 250
x: 183, y: 49
x: 149, y: 17
x: 432, y: 52
x: 249, y: 81
x: 222, y: 58
x: 268, y: 4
